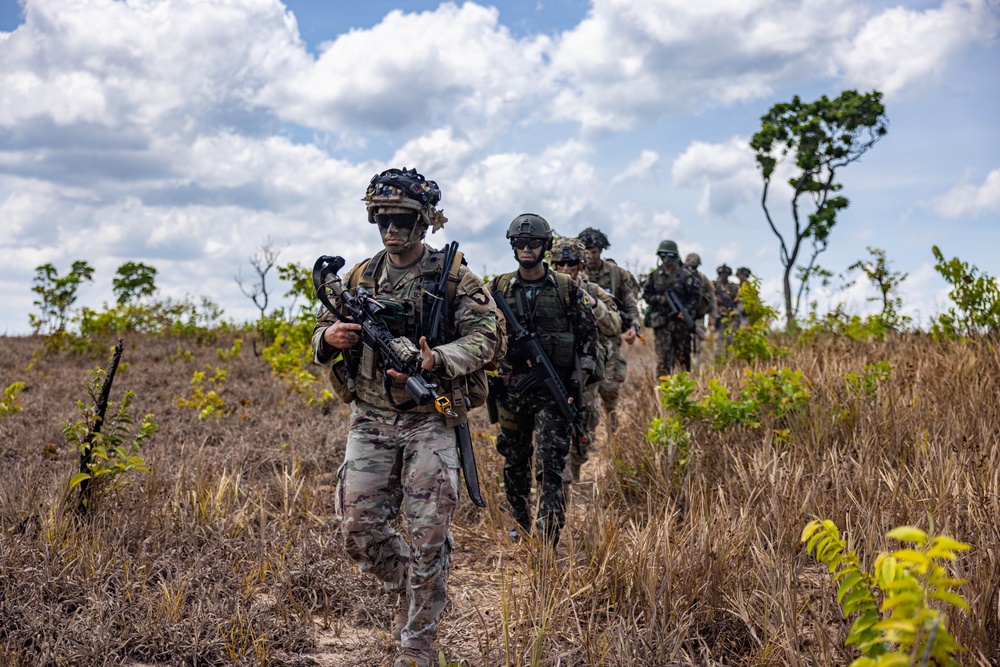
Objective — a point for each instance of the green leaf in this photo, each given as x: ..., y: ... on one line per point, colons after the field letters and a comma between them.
x: 908, y: 534
x: 892, y: 601
x: 951, y: 598
x: 911, y: 556
x: 848, y: 584
x: 78, y: 478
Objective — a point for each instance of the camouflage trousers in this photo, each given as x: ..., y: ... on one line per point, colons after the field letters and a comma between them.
x: 401, y: 460
x: 615, y: 372
x: 591, y: 420
x: 523, y: 418
x: 673, y: 349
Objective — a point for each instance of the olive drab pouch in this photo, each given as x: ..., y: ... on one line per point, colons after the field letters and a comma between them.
x: 338, y: 380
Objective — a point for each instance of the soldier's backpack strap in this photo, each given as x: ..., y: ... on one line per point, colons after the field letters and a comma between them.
x: 364, y: 272
x: 562, y: 289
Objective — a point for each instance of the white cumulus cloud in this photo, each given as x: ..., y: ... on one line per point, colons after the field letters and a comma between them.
x: 901, y: 48
x: 725, y: 172
x: 970, y: 201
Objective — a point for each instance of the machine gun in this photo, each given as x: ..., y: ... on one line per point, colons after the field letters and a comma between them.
x: 399, y: 354
x: 677, y: 307
x: 542, y: 370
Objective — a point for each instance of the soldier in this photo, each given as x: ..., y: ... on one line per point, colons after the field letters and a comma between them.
x: 743, y: 273
x: 672, y: 292
x: 399, y: 455
x: 727, y: 318
x: 623, y: 287
x: 552, y: 305
x: 567, y: 257
x: 706, y: 305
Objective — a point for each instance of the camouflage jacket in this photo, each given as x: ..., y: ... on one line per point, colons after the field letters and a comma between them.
x: 726, y: 295
x: 620, y: 284
x: 472, y: 328
x: 684, y: 284
x: 609, y: 320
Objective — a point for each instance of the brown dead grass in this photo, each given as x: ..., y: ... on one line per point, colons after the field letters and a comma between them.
x: 227, y: 553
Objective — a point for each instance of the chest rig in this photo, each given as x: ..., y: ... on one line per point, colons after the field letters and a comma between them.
x: 548, y: 315
x: 408, y: 306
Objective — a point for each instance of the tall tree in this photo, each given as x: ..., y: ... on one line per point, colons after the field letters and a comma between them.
x: 132, y: 281
x: 822, y: 136
x: 57, y: 294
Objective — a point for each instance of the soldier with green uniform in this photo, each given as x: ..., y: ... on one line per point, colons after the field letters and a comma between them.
x: 533, y: 429
x: 706, y: 306
x: 399, y: 455
x: 672, y: 292
x: 567, y: 256
x: 727, y: 319
x: 623, y: 287
x: 743, y: 274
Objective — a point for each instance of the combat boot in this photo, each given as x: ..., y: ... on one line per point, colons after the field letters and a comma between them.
x: 415, y: 657
x: 402, y: 616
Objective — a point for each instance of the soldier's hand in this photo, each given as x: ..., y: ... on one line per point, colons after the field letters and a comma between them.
x: 629, y: 335
x: 342, y: 335
x: 426, y: 362
x: 426, y: 355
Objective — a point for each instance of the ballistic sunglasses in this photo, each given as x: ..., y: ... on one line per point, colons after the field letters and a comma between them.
x: 521, y: 243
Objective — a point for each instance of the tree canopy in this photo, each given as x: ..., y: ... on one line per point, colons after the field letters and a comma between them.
x: 822, y: 137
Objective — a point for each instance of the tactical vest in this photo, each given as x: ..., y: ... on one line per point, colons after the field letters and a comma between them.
x: 406, y: 314
x: 550, y: 317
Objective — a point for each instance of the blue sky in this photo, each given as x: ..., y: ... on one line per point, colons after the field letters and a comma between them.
x: 184, y: 133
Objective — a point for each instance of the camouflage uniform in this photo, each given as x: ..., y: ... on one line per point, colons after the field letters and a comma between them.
x: 609, y: 326
x: 728, y: 319
x: 692, y: 262
x: 567, y: 331
x: 673, y: 338
x: 398, y: 458
x: 620, y: 284
x: 743, y: 274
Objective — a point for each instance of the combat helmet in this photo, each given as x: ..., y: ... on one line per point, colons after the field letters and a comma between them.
x: 724, y: 269
x: 531, y: 225
x: 594, y: 238
x: 693, y: 260
x: 405, y: 189
x: 566, y: 248
x: 667, y: 248
x: 743, y: 273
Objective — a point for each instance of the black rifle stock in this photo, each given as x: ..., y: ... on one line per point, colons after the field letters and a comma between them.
x: 542, y: 369
x: 399, y: 354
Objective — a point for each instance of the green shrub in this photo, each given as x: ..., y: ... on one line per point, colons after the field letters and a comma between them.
x: 9, y: 404
x: 977, y: 298
x: 916, y: 592
x: 111, y: 453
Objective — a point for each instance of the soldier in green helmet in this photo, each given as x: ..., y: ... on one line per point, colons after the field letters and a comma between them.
x: 533, y: 428
x: 706, y: 307
x: 618, y: 282
x: 728, y: 318
x: 401, y: 456
x: 567, y: 257
x: 673, y: 293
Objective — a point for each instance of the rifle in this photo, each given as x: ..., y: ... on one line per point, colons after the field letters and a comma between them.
x: 542, y: 370
x: 400, y: 354
x: 437, y: 316
x: 675, y: 303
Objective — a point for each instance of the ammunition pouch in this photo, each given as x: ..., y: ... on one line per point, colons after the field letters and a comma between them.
x: 338, y: 380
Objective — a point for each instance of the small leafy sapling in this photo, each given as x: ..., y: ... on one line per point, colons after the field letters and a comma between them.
x: 56, y: 295
x: 910, y: 626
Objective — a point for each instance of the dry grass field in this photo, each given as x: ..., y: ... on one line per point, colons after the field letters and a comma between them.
x: 227, y: 551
